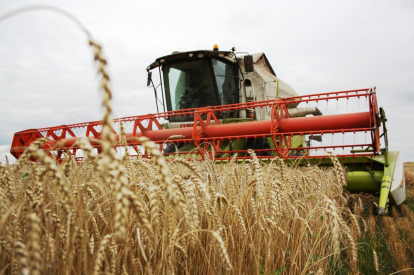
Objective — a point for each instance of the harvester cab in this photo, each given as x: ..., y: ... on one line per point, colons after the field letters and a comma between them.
x: 217, y: 106
x: 208, y: 78
x: 212, y: 78
x: 197, y: 79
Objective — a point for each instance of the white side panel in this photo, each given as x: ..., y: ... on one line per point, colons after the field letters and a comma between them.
x: 398, y: 181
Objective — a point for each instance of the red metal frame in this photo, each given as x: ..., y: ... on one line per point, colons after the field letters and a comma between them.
x: 280, y: 128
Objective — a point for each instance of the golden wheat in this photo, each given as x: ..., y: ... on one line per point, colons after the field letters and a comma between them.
x: 220, y: 221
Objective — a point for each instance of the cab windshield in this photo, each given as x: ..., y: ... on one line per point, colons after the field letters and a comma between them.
x: 200, y: 83
x: 189, y: 84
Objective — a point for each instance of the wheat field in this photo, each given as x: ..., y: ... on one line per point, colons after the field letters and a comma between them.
x: 140, y: 216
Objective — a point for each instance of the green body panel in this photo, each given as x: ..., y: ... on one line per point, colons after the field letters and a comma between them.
x: 296, y: 142
x: 235, y: 120
x: 385, y: 191
x: 364, y: 181
x: 225, y: 121
x: 237, y: 144
x: 391, y: 159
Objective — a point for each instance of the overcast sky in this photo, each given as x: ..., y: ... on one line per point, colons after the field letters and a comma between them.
x: 47, y: 76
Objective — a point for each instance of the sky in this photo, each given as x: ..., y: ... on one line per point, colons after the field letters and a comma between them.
x: 48, y: 78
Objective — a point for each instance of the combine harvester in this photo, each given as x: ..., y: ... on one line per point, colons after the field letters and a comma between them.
x: 217, y: 105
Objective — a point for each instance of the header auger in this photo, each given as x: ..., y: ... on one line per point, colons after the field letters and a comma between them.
x: 217, y: 106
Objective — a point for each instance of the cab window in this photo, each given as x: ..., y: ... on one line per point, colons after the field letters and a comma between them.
x: 226, y: 82
x: 189, y: 84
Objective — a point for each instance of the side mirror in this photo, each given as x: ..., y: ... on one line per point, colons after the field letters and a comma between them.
x: 248, y: 63
x: 149, y: 80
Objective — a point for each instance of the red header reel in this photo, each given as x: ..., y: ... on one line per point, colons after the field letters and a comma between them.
x: 209, y: 127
